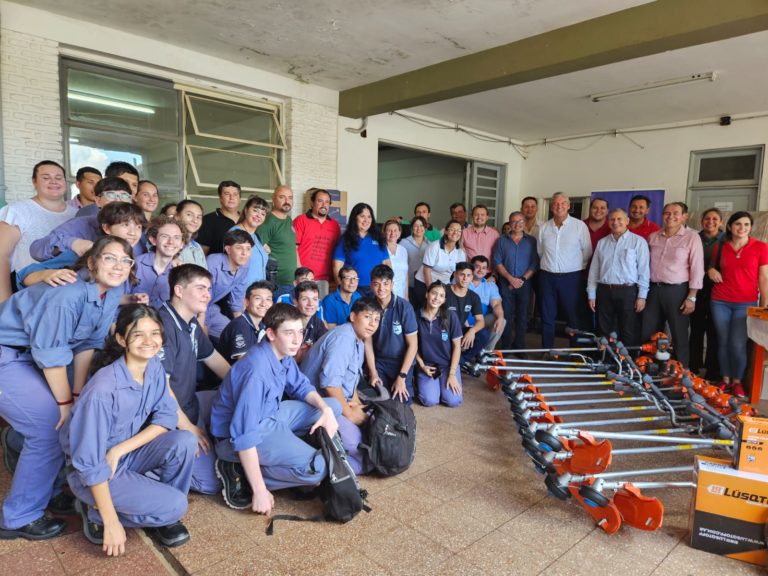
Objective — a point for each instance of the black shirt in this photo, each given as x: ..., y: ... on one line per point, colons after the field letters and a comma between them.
x: 464, y: 306
x: 215, y: 226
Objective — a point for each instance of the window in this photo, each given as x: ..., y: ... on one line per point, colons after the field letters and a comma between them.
x: 228, y: 140
x: 112, y: 115
x: 728, y: 179
x: 181, y: 138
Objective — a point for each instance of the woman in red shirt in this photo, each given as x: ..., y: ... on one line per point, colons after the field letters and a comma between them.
x: 738, y: 269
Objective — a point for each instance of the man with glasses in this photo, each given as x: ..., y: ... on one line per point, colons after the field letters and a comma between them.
x: 337, y: 305
x: 316, y: 238
x: 217, y: 223
x: 79, y: 234
x: 516, y: 260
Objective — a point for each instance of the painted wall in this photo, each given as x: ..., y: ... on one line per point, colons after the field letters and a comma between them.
x: 615, y: 163
x: 358, y: 157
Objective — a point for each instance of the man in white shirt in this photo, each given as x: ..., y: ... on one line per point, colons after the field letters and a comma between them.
x: 25, y: 221
x: 564, y: 250
x: 618, y: 281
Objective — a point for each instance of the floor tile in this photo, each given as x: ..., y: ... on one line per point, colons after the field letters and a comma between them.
x: 685, y: 561
x: 35, y: 559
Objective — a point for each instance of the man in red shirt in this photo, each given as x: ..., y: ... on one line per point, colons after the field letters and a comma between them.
x: 638, y: 223
x: 316, y: 237
x: 597, y: 221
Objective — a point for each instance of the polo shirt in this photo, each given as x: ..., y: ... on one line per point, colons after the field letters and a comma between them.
x: 336, y: 360
x: 442, y: 264
x: 316, y: 241
x: 369, y: 254
x: 335, y: 310
x: 239, y: 336
x: 279, y: 235
x: 397, y: 322
x: 465, y: 307
x: 740, y: 271
x: 645, y: 229
x: 435, y: 342
x: 479, y: 242
x: 314, y: 329
x: 488, y: 292
x: 215, y: 225
x: 596, y: 235
x: 183, y: 345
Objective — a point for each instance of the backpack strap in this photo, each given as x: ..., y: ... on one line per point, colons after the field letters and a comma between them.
x: 270, y: 530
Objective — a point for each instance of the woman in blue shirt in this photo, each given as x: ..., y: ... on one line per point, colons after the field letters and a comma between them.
x: 361, y: 246
x: 253, y: 215
x: 439, y: 378
x: 123, y: 426
x: 42, y: 330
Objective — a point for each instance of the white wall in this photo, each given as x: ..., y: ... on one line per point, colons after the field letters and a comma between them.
x: 358, y: 157
x: 615, y: 163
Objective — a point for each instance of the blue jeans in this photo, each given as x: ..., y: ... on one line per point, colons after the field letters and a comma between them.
x: 730, y: 319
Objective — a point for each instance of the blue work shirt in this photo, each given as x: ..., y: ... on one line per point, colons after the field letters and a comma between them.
x: 150, y: 282
x: 239, y: 336
x: 436, y: 342
x: 516, y: 258
x: 487, y: 291
x: 85, y: 228
x: 257, y: 266
x: 398, y: 320
x: 184, y: 344
x: 112, y: 408
x: 56, y: 323
x: 369, y: 253
x: 251, y: 392
x: 335, y: 310
x: 227, y: 289
x: 288, y: 299
x: 336, y: 360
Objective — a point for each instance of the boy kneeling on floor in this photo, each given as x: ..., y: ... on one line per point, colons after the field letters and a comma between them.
x: 258, y: 442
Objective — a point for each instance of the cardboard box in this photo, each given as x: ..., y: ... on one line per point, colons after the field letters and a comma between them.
x: 751, y: 454
x: 730, y: 511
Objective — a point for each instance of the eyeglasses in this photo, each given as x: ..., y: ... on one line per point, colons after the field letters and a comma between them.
x: 350, y: 279
x: 112, y: 260
x: 515, y: 222
x: 115, y: 196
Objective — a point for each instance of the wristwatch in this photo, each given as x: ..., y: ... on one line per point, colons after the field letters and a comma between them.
x: 403, y: 375
x: 692, y: 299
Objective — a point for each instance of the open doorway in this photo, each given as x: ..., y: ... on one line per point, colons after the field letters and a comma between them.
x: 407, y: 176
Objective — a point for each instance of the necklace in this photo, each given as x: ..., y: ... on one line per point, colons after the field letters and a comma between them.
x: 738, y: 250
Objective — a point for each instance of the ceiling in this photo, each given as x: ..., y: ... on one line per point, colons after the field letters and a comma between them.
x: 341, y: 45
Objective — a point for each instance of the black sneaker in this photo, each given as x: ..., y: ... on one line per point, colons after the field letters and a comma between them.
x: 171, y: 535
x: 94, y: 533
x: 237, y: 491
x: 62, y: 504
x: 41, y: 529
x: 10, y: 456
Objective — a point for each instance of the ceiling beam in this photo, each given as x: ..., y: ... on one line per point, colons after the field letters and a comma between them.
x: 640, y: 31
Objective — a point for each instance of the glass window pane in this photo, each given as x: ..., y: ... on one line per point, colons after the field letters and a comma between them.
x: 723, y: 168
x: 233, y: 121
x: 155, y: 159
x: 207, y: 167
x: 121, y: 102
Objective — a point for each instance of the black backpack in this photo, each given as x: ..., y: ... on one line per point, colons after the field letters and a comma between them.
x: 340, y: 491
x: 389, y: 437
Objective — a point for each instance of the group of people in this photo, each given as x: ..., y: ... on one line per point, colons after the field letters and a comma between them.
x: 148, y: 355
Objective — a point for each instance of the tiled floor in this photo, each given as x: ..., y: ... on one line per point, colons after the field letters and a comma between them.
x: 470, y: 504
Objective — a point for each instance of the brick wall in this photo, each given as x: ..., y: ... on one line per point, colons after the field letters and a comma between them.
x: 311, y: 131
x: 31, y: 121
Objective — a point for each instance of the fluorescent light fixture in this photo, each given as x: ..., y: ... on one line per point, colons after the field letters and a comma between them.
x: 109, y: 102
x: 74, y: 140
x: 691, y: 78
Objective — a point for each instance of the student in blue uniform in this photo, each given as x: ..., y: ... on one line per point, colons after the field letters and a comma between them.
x: 390, y: 353
x: 258, y: 446
x: 439, y: 378
x: 190, y: 214
x: 490, y: 300
x: 301, y: 274
x: 466, y: 304
x: 42, y: 331
x: 123, y: 426
x: 229, y: 281
x: 337, y: 305
x: 247, y: 330
x: 334, y: 365
x: 119, y: 219
x: 167, y: 236
x: 306, y: 299
x: 185, y: 344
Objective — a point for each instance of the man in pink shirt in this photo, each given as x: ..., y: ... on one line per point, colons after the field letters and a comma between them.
x: 316, y: 237
x: 479, y: 239
x: 677, y: 273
